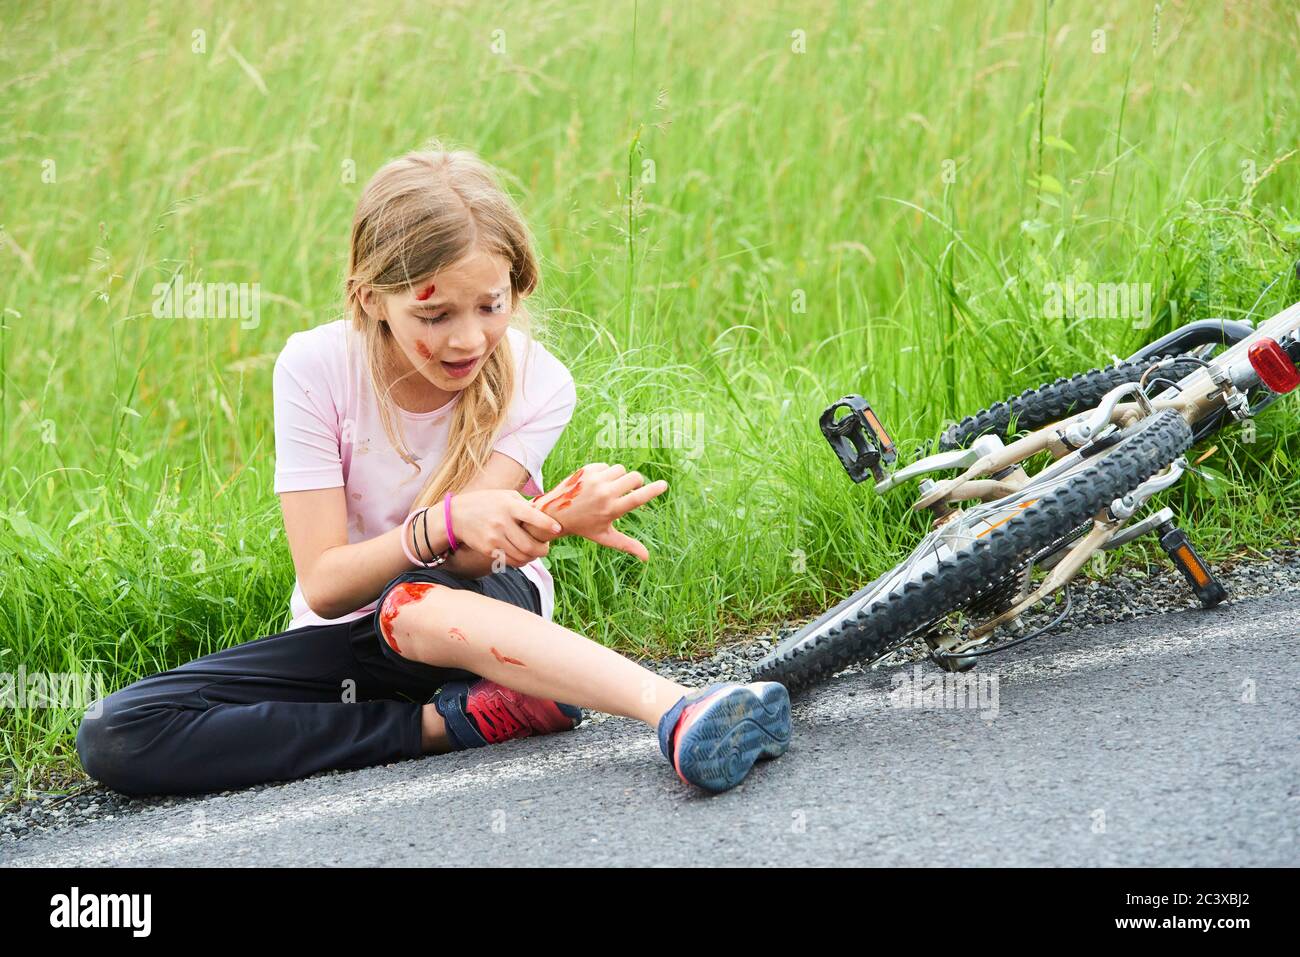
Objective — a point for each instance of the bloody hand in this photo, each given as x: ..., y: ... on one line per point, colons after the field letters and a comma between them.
x: 588, y: 501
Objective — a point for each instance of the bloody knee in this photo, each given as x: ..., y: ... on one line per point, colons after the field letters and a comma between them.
x: 399, y: 597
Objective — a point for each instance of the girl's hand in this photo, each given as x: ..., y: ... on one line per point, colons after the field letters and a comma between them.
x: 496, y: 520
x: 588, y: 501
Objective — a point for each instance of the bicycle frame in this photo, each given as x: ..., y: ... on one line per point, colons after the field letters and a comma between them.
x: 994, y: 475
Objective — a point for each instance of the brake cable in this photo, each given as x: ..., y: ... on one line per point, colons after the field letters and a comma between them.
x: 982, y: 652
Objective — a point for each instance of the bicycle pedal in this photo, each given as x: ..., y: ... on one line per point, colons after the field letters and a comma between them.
x: 860, y: 456
x: 1179, y: 548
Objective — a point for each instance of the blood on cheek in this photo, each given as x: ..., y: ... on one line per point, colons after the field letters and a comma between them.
x: 421, y: 349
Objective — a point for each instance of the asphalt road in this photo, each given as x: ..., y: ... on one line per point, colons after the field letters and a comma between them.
x: 1162, y: 741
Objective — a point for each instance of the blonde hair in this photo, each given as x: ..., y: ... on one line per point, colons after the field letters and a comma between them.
x: 419, y: 214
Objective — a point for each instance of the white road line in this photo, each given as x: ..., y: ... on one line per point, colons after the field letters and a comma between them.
x: 183, y: 827
x: 150, y: 833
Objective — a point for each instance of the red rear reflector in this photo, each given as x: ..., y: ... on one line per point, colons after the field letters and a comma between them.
x: 1273, y: 365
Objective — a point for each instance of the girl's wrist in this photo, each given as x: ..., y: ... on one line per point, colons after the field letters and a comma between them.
x: 418, y: 543
x: 446, y: 517
x: 546, y: 535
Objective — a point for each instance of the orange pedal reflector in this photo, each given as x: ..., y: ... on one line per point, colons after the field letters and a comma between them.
x: 1179, y: 548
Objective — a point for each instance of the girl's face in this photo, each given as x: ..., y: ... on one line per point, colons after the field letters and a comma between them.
x: 446, y: 325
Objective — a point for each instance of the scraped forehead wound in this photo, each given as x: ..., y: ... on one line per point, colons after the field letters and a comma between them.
x: 425, y: 293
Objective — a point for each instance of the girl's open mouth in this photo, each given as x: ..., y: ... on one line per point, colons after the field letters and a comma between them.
x: 458, y: 369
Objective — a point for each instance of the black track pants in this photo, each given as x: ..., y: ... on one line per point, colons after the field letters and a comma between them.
x: 280, y: 707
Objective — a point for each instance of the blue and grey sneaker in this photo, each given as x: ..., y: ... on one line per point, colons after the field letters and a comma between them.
x: 713, y: 736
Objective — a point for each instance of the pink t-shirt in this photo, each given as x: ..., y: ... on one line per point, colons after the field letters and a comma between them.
x: 328, y: 433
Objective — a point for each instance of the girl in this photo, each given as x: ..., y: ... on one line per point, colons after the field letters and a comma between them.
x: 422, y: 616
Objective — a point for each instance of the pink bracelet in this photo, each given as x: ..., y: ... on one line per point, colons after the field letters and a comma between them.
x: 446, y: 515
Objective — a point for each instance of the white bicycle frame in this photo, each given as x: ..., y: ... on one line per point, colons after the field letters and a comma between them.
x: 1219, y: 384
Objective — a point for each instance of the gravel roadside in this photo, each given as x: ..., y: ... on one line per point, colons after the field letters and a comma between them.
x: 1127, y: 594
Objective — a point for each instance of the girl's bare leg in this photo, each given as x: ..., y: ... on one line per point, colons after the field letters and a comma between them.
x: 433, y: 731
x: 454, y: 628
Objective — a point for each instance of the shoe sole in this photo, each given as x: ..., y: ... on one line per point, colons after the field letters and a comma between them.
x: 725, y: 734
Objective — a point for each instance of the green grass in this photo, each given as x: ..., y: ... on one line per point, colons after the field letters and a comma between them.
x: 798, y: 239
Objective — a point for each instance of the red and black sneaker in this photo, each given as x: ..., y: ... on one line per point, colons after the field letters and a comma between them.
x: 488, y: 713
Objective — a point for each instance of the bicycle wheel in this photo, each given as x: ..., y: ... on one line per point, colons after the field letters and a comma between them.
x: 866, y: 626
x: 1035, y: 408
